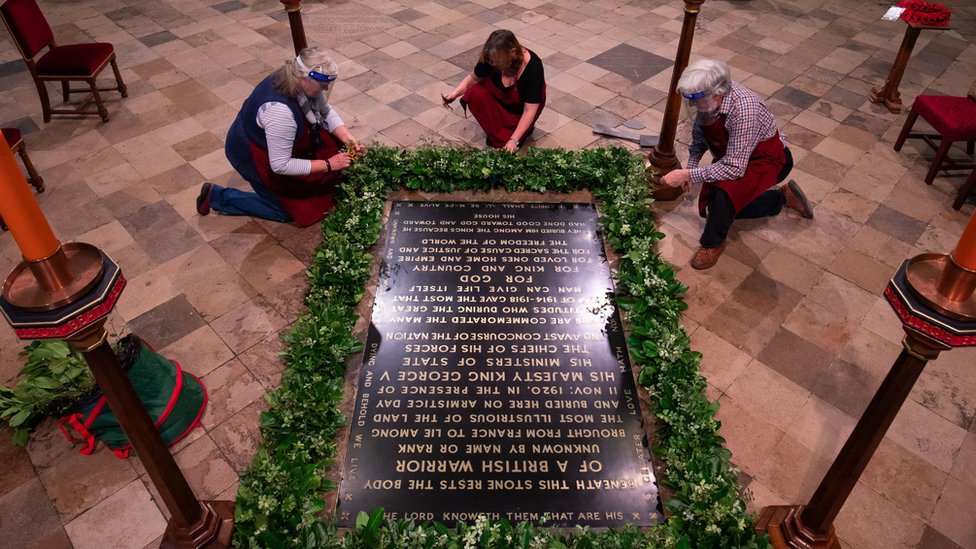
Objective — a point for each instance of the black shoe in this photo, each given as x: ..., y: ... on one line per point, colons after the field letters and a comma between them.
x: 203, y: 199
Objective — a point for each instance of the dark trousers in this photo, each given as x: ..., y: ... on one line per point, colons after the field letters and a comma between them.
x: 719, y: 214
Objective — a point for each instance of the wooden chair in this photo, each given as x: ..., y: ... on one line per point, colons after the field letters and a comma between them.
x: 65, y: 64
x: 954, y: 119
x: 16, y: 141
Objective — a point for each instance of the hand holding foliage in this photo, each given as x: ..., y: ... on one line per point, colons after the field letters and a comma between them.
x: 280, y: 495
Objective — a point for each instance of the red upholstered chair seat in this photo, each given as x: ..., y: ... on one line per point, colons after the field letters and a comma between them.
x: 11, y: 136
x: 74, y: 59
x: 953, y: 117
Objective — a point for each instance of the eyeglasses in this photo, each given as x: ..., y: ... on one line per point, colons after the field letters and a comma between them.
x: 321, y: 77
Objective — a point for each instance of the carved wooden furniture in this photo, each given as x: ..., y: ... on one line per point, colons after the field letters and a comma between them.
x: 65, y: 64
x: 887, y: 93
x: 954, y: 119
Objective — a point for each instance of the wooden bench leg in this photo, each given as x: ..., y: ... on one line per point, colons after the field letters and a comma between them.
x: 940, y: 155
x: 909, y: 122
x: 34, y: 178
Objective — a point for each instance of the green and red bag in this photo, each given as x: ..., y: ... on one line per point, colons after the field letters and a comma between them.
x: 174, y: 399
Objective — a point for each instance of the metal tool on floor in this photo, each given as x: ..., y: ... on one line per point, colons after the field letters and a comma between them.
x: 642, y: 139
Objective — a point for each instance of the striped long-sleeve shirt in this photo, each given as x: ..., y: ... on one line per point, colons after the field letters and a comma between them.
x: 279, y: 129
x: 748, y: 121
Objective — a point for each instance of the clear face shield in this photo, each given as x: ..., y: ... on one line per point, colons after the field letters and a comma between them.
x: 322, y: 79
x: 702, y: 106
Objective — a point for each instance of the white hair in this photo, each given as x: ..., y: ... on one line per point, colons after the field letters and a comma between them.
x: 706, y: 75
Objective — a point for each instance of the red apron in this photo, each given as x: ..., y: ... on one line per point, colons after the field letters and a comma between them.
x: 306, y: 198
x: 498, y: 110
x: 765, y: 163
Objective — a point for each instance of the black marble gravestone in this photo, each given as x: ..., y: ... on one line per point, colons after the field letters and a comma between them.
x: 496, y: 379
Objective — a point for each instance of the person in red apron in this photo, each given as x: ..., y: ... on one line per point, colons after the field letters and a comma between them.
x: 749, y: 157
x: 287, y: 143
x: 506, y: 92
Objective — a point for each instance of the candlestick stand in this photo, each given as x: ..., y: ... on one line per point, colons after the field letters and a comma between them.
x: 67, y: 292
x: 294, y: 9
x: 887, y: 93
x: 933, y: 297
x: 662, y: 159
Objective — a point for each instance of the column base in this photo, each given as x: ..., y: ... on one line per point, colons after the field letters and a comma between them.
x: 215, y: 529
x: 786, y: 529
x: 884, y: 95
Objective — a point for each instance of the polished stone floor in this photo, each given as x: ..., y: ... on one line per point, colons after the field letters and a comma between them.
x: 793, y: 329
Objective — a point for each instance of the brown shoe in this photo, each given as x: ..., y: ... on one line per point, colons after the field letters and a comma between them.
x: 796, y: 200
x: 706, y: 258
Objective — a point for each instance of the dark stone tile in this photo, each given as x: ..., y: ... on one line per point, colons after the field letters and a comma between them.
x: 412, y: 105
x: 801, y: 136
x: 847, y: 386
x: 157, y: 38
x: 229, y: 6
x: 600, y: 116
x: 489, y: 16
x: 150, y: 218
x: 896, y: 224
x: 122, y: 14
x: 12, y: 67
x: 793, y: 96
x: 632, y: 63
x: 645, y: 95
x: 570, y: 106
x: 424, y: 40
x: 367, y: 80
x: 29, y: 519
x: 822, y: 167
x: 466, y: 59
x: 796, y: 358
x: 17, y: 468
x: 169, y: 242
x: 765, y: 295
x: 933, y: 539
x: 560, y: 61
x: 865, y: 121
x: 845, y: 97
x: 167, y: 323
x: 407, y: 15
x: 25, y: 124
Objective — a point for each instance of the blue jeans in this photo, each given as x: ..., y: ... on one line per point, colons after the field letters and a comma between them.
x: 261, y: 203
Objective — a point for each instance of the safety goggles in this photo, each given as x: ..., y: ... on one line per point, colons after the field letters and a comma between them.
x: 695, y: 96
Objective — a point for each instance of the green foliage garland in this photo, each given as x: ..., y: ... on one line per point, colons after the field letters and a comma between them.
x: 281, y: 494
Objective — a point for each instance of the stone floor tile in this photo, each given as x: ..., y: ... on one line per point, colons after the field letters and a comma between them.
x: 794, y: 470
x: 721, y: 361
x: 847, y: 203
x: 768, y: 394
x: 166, y: 322
x: 750, y: 438
x: 237, y: 438
x: 17, y: 467
x: 796, y: 358
x: 865, y: 507
x: 247, y: 324
x: 933, y: 539
x: 29, y: 519
x: 231, y: 388
x: 128, y: 518
x: 953, y: 513
x: 927, y: 435
x: 943, y: 392
x: 857, y: 267
x: 78, y: 482
x: 847, y: 386
x: 199, y: 352
x: 905, y: 479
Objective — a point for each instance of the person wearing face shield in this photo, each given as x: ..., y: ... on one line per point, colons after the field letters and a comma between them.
x: 506, y: 92
x: 749, y: 157
x: 287, y: 143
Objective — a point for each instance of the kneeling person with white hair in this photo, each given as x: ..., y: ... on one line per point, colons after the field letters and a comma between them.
x: 287, y: 143
x: 749, y: 157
